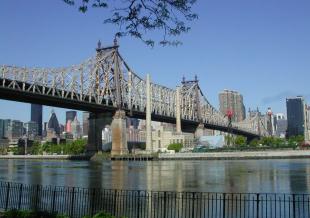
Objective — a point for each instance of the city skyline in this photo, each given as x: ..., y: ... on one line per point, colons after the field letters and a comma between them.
x: 245, y: 47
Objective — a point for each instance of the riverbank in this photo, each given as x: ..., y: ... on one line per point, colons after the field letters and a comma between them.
x: 234, y: 155
x: 283, y: 154
x: 47, y: 157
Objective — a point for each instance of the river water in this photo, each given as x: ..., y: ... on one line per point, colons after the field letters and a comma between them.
x: 234, y: 176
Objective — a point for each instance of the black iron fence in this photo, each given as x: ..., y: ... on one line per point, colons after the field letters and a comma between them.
x: 77, y: 202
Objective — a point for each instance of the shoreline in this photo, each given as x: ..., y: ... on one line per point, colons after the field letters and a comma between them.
x: 46, y: 157
x: 243, y: 155
x: 232, y: 155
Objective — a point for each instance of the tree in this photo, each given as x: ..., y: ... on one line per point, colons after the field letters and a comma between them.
x: 240, y: 140
x: 35, y: 148
x: 254, y: 143
x: 175, y: 146
x: 138, y: 17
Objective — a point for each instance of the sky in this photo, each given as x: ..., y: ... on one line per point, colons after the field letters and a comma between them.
x: 260, y: 48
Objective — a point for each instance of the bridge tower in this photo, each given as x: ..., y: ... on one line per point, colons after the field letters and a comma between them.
x: 108, y: 86
x: 190, y: 103
x: 178, y: 110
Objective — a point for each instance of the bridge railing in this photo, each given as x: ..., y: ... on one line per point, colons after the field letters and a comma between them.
x: 78, y: 202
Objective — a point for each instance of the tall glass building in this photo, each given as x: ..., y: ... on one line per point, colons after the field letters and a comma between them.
x: 295, y: 116
x: 36, y: 116
x: 53, y: 123
x: 70, y: 115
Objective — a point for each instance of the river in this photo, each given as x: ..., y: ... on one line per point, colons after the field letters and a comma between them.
x: 237, y: 176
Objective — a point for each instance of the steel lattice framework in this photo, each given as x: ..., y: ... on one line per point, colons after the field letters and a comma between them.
x: 106, y: 80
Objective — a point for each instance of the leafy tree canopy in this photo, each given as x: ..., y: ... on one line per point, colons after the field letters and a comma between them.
x: 137, y: 17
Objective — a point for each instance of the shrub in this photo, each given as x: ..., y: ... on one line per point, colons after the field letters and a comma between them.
x: 240, y: 141
x: 175, y: 146
x: 254, y: 143
x: 74, y: 147
x: 31, y: 214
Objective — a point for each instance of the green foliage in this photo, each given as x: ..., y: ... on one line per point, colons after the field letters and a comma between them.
x: 137, y: 18
x: 35, y: 149
x: 254, y: 143
x: 31, y: 214
x: 240, y: 141
x: 267, y: 141
x: 175, y: 146
x: 72, y: 148
x: 3, y: 151
x: 17, y: 150
x: 75, y: 147
x: 102, y: 215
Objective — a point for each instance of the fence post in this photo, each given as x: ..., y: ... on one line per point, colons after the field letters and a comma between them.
x: 93, y: 202
x: 72, y: 202
x: 37, y: 197
x: 54, y: 199
x: 7, y: 197
x: 114, y: 206
x: 294, y: 206
x: 138, y: 207
x: 165, y: 203
x: 257, y: 205
x: 224, y: 205
x: 193, y: 205
x: 20, y: 195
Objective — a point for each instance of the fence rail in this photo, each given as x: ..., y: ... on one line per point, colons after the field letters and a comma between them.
x: 77, y: 202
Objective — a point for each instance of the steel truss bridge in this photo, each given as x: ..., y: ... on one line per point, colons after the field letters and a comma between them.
x: 105, y: 82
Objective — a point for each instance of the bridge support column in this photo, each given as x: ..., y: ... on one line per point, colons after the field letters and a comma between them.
x: 119, y: 134
x: 178, y: 110
x: 199, y: 131
x: 148, y: 119
x: 97, y: 121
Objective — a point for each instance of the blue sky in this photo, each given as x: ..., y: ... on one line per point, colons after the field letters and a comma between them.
x: 260, y: 48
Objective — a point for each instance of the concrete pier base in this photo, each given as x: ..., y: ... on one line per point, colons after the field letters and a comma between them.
x: 119, y: 134
x: 199, y: 131
x: 97, y: 121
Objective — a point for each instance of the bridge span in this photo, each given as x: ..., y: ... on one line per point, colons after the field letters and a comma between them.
x: 107, y: 87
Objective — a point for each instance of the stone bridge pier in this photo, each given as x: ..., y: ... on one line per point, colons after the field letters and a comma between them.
x: 117, y: 122
x: 97, y: 122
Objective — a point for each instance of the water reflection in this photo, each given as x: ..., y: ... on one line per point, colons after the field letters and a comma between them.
x: 207, y: 176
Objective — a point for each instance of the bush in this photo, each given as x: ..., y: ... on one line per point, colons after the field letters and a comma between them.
x: 3, y: 151
x: 31, y: 214
x: 240, y: 141
x: 175, y: 146
x: 35, y: 148
x: 254, y: 143
x: 101, y: 215
x: 74, y: 147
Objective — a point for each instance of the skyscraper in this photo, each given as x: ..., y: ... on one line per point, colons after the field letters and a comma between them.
x: 15, y: 129
x: 70, y: 115
x: 295, y: 116
x: 36, y: 116
x: 232, y: 100
x: 76, y: 128
x: 280, y: 124
x: 32, y: 129
x: 6, y: 126
x: 85, y: 123
x: 53, y: 123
